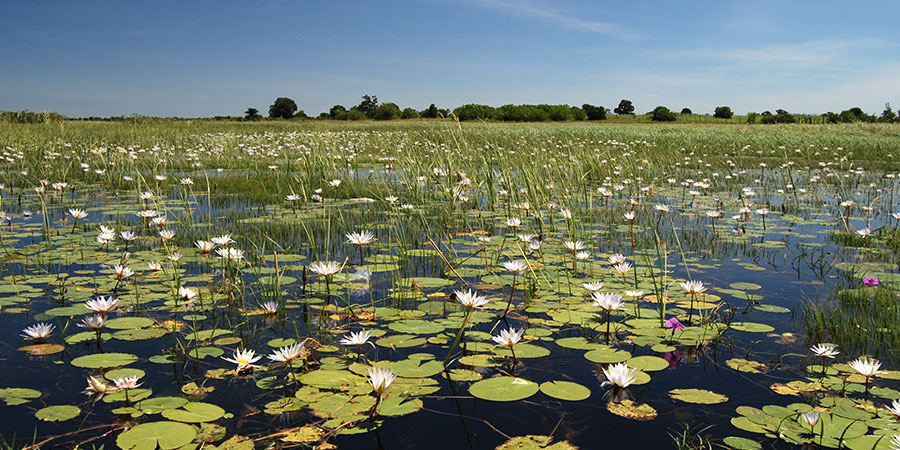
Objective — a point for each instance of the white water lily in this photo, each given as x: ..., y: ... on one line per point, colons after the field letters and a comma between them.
x: 825, y: 350
x: 381, y: 379
x: 470, y: 299
x: 358, y: 338
x: 866, y: 367
x: 620, y: 375
x: 38, y: 331
x: 508, y: 337
x: 244, y: 359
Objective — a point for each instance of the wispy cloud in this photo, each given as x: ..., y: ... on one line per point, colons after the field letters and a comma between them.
x: 803, y: 55
x: 552, y: 15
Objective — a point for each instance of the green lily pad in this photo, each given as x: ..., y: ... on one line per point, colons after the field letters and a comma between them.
x: 533, y: 442
x: 58, y: 413
x: 503, y: 389
x: 195, y: 412
x: 18, y: 396
x: 415, y: 368
x: 401, y: 341
x: 739, y: 443
x: 648, y: 363
x: 607, y: 356
x: 165, y: 435
x: 104, y: 360
x: 565, y: 390
x: 752, y: 327
x: 699, y: 396
x: 127, y: 323
x: 157, y: 405
x: 398, y: 406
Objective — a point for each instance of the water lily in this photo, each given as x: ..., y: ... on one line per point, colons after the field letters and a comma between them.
x: 620, y: 375
x: 244, y: 358
x: 38, y: 332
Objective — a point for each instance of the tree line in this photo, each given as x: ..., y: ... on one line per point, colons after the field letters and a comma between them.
x: 369, y: 108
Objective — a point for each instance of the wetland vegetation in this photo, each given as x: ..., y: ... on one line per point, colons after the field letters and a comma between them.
x: 240, y: 285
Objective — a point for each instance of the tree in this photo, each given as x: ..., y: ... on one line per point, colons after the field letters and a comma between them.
x: 473, y: 111
x: 386, y: 111
x: 368, y: 104
x: 625, y: 107
x: 888, y: 115
x: 252, y: 114
x: 594, y: 112
x: 409, y: 113
x: 662, y: 114
x: 723, y: 112
x: 430, y: 113
x: 686, y: 111
x: 336, y: 111
x: 283, y: 108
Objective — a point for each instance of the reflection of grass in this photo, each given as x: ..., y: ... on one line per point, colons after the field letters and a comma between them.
x: 861, y: 321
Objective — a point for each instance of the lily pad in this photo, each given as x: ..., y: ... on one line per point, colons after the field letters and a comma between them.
x: 631, y: 410
x: 58, y: 413
x: 565, y: 390
x: 503, y: 389
x: 699, y: 396
x: 104, y: 360
x: 165, y: 435
x: 195, y: 412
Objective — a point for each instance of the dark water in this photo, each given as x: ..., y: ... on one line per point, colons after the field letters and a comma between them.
x: 451, y: 418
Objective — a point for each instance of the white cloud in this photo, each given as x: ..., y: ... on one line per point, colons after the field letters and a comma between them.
x: 803, y: 55
x: 553, y: 16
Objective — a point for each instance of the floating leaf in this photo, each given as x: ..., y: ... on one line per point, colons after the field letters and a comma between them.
x: 58, y: 413
x: 398, y: 406
x: 157, y: 405
x: 305, y: 434
x: 739, y: 443
x: 744, y: 365
x: 42, y: 349
x: 565, y: 390
x: 104, y: 360
x: 503, y: 389
x: 414, y: 368
x: 752, y: 327
x: 533, y: 442
x: 164, y: 435
x: 18, y: 396
x: 700, y: 396
x: 195, y: 412
x: 631, y: 410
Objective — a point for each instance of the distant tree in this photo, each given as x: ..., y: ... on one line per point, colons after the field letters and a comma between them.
x: 686, y: 111
x: 662, y: 114
x: 337, y: 110
x: 625, y: 107
x: 252, y: 114
x: 594, y: 112
x: 300, y: 115
x: 386, y: 111
x: 855, y: 114
x: 283, y: 108
x: 430, y: 113
x: 577, y: 113
x: 473, y: 111
x: 723, y: 112
x: 355, y: 114
x: 888, y: 115
x: 368, y: 104
x: 409, y: 113
x: 324, y: 115
x: 751, y: 117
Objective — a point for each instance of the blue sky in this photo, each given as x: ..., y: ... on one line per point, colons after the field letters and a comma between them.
x: 202, y: 58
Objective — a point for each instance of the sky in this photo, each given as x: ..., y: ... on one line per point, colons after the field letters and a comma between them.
x: 207, y: 58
